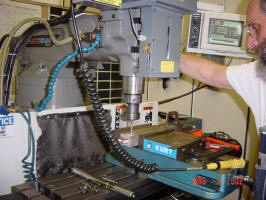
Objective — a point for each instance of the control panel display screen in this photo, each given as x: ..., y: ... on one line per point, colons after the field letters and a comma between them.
x: 225, y: 32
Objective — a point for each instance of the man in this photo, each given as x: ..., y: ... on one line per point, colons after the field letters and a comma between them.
x: 248, y: 80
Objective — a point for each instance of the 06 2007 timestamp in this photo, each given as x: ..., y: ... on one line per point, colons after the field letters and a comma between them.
x: 230, y: 180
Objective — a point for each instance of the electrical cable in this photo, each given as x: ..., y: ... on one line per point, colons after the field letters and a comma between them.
x: 99, y: 111
x: 108, y: 134
x: 11, y: 60
x: 192, y: 99
x: 246, y: 133
x: 183, y: 95
x: 251, y: 186
x: 102, y: 119
x: 22, y: 23
x: 245, y: 147
x: 21, y: 40
x: 3, y: 39
x: 12, y: 34
x: 56, y: 71
x: 65, y: 18
x: 132, y: 24
x: 230, y: 61
x: 104, y: 124
x: 78, y: 40
x: 29, y: 166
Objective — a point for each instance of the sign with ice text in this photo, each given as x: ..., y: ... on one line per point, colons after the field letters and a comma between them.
x: 7, y: 126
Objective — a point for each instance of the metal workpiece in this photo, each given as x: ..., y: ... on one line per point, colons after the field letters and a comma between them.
x: 147, y: 130
x: 106, y: 184
x: 129, y: 138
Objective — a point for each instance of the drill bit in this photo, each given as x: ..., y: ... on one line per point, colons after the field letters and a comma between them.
x: 131, y: 127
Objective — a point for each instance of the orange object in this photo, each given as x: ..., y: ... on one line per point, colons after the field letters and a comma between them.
x: 148, y: 108
x: 197, y: 132
x: 118, y: 107
x: 216, y: 141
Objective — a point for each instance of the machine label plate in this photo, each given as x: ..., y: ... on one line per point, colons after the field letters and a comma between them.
x: 167, y: 66
x: 159, y: 148
x: 40, y: 41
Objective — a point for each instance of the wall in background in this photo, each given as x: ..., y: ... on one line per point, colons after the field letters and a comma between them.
x: 14, y: 12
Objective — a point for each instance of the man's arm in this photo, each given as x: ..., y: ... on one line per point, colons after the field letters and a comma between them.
x: 204, y: 70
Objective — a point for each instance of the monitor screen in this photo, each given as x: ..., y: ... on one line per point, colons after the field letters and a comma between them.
x: 225, y: 32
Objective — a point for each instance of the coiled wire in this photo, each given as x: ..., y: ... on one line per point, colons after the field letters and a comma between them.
x: 103, y: 123
x: 108, y: 134
x: 29, y: 166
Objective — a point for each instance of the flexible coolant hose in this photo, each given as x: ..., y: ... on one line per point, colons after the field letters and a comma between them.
x: 66, y: 60
x: 5, y: 47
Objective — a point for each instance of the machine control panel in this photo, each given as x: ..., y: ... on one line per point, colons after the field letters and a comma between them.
x: 216, y: 33
x: 194, y: 32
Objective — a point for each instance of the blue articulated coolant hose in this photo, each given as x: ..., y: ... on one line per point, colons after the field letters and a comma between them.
x: 66, y: 60
x: 29, y: 166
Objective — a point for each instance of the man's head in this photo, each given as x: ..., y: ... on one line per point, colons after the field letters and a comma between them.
x: 256, y: 21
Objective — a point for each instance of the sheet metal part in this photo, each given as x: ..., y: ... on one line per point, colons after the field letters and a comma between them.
x: 147, y: 130
x: 133, y: 137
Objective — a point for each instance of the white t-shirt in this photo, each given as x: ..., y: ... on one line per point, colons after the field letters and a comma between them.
x: 249, y: 81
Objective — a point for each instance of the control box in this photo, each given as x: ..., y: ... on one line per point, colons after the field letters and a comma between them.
x: 217, y: 33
